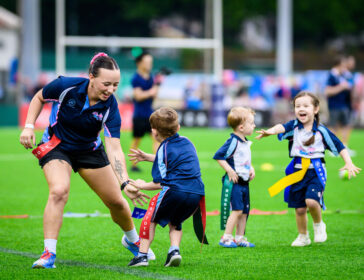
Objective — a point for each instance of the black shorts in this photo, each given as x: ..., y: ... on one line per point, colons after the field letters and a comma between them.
x: 340, y: 117
x: 86, y: 159
x: 141, y: 126
x: 175, y: 207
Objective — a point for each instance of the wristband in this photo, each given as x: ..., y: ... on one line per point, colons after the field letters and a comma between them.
x: 123, y: 185
x: 29, y: 125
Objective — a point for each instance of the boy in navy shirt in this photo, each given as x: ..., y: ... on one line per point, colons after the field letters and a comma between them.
x: 235, y: 158
x: 176, y: 171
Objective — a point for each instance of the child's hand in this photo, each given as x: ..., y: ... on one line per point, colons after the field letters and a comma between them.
x: 262, y: 133
x: 233, y: 176
x: 137, y: 184
x: 351, y: 168
x: 137, y: 156
x: 251, y: 173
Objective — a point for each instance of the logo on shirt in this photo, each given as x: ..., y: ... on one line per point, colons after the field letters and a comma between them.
x: 71, y: 103
x: 97, y: 116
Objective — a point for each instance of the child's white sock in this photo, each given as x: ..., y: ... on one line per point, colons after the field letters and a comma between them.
x: 173, y: 248
x: 239, y: 237
x: 132, y: 235
x: 228, y: 236
x: 50, y: 245
x: 317, y: 224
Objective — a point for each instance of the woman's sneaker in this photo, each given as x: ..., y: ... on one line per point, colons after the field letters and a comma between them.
x: 45, y: 261
x: 227, y: 242
x: 139, y: 261
x: 243, y: 242
x: 134, y: 248
x: 174, y: 258
x: 320, y: 232
x: 301, y: 240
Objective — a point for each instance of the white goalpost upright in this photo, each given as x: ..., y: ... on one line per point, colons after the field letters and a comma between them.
x: 215, y: 43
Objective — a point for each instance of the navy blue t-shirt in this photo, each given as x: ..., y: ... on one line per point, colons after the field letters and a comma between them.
x: 142, y: 109
x: 72, y: 118
x: 342, y: 99
x: 176, y: 166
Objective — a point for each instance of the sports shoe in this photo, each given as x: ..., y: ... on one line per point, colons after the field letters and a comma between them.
x: 45, y: 261
x: 320, y: 232
x: 134, y: 248
x: 301, y: 240
x: 139, y: 261
x: 174, y: 258
x: 243, y: 242
x: 227, y: 242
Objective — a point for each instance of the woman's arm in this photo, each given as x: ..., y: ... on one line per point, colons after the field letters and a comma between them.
x: 141, y: 95
x: 116, y: 158
x: 27, y: 137
x: 277, y: 129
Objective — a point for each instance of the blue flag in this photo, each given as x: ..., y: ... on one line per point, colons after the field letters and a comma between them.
x: 138, y: 213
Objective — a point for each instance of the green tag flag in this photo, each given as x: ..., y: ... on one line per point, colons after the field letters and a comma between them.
x: 199, y: 222
x: 225, y: 201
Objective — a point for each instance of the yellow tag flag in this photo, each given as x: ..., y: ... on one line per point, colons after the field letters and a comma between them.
x: 290, y: 179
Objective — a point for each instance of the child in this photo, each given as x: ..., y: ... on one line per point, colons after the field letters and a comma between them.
x: 176, y: 171
x: 235, y: 158
x: 308, y: 141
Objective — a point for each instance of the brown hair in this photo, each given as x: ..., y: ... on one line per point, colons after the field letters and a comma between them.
x: 315, y: 103
x: 165, y: 121
x: 101, y: 60
x: 238, y: 115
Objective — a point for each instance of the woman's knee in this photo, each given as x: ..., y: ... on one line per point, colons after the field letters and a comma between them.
x: 117, y: 204
x: 301, y: 211
x: 59, y: 193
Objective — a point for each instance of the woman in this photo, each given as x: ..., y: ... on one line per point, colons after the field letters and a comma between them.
x: 145, y: 89
x: 81, y: 108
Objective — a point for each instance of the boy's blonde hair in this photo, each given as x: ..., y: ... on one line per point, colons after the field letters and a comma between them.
x: 238, y: 116
x: 165, y: 121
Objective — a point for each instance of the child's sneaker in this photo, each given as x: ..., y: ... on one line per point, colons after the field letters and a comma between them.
x: 227, y: 242
x: 139, y: 261
x: 243, y: 242
x: 320, y: 232
x: 301, y: 240
x: 134, y: 248
x: 174, y: 258
x: 45, y: 261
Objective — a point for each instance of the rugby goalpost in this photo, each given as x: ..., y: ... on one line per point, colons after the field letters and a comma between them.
x: 215, y: 43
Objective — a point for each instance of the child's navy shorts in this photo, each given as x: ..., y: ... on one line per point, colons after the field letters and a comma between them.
x: 310, y: 187
x: 175, y: 207
x: 240, y: 198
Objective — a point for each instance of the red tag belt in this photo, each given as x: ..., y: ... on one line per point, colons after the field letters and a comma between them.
x: 45, y: 148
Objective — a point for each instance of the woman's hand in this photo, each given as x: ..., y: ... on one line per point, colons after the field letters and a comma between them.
x: 136, y: 196
x: 27, y: 138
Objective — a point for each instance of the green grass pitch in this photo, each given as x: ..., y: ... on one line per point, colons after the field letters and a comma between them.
x: 90, y: 248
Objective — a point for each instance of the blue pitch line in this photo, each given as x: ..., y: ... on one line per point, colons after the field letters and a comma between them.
x: 124, y: 270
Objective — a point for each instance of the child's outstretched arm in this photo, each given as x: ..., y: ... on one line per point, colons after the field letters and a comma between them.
x: 230, y: 172
x: 279, y: 128
x: 138, y: 155
x: 142, y: 185
x: 349, y: 165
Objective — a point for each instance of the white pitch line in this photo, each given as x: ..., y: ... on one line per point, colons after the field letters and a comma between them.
x: 123, y: 270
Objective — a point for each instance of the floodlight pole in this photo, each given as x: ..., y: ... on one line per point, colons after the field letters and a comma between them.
x: 60, y: 34
x: 217, y: 31
x: 284, y: 38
